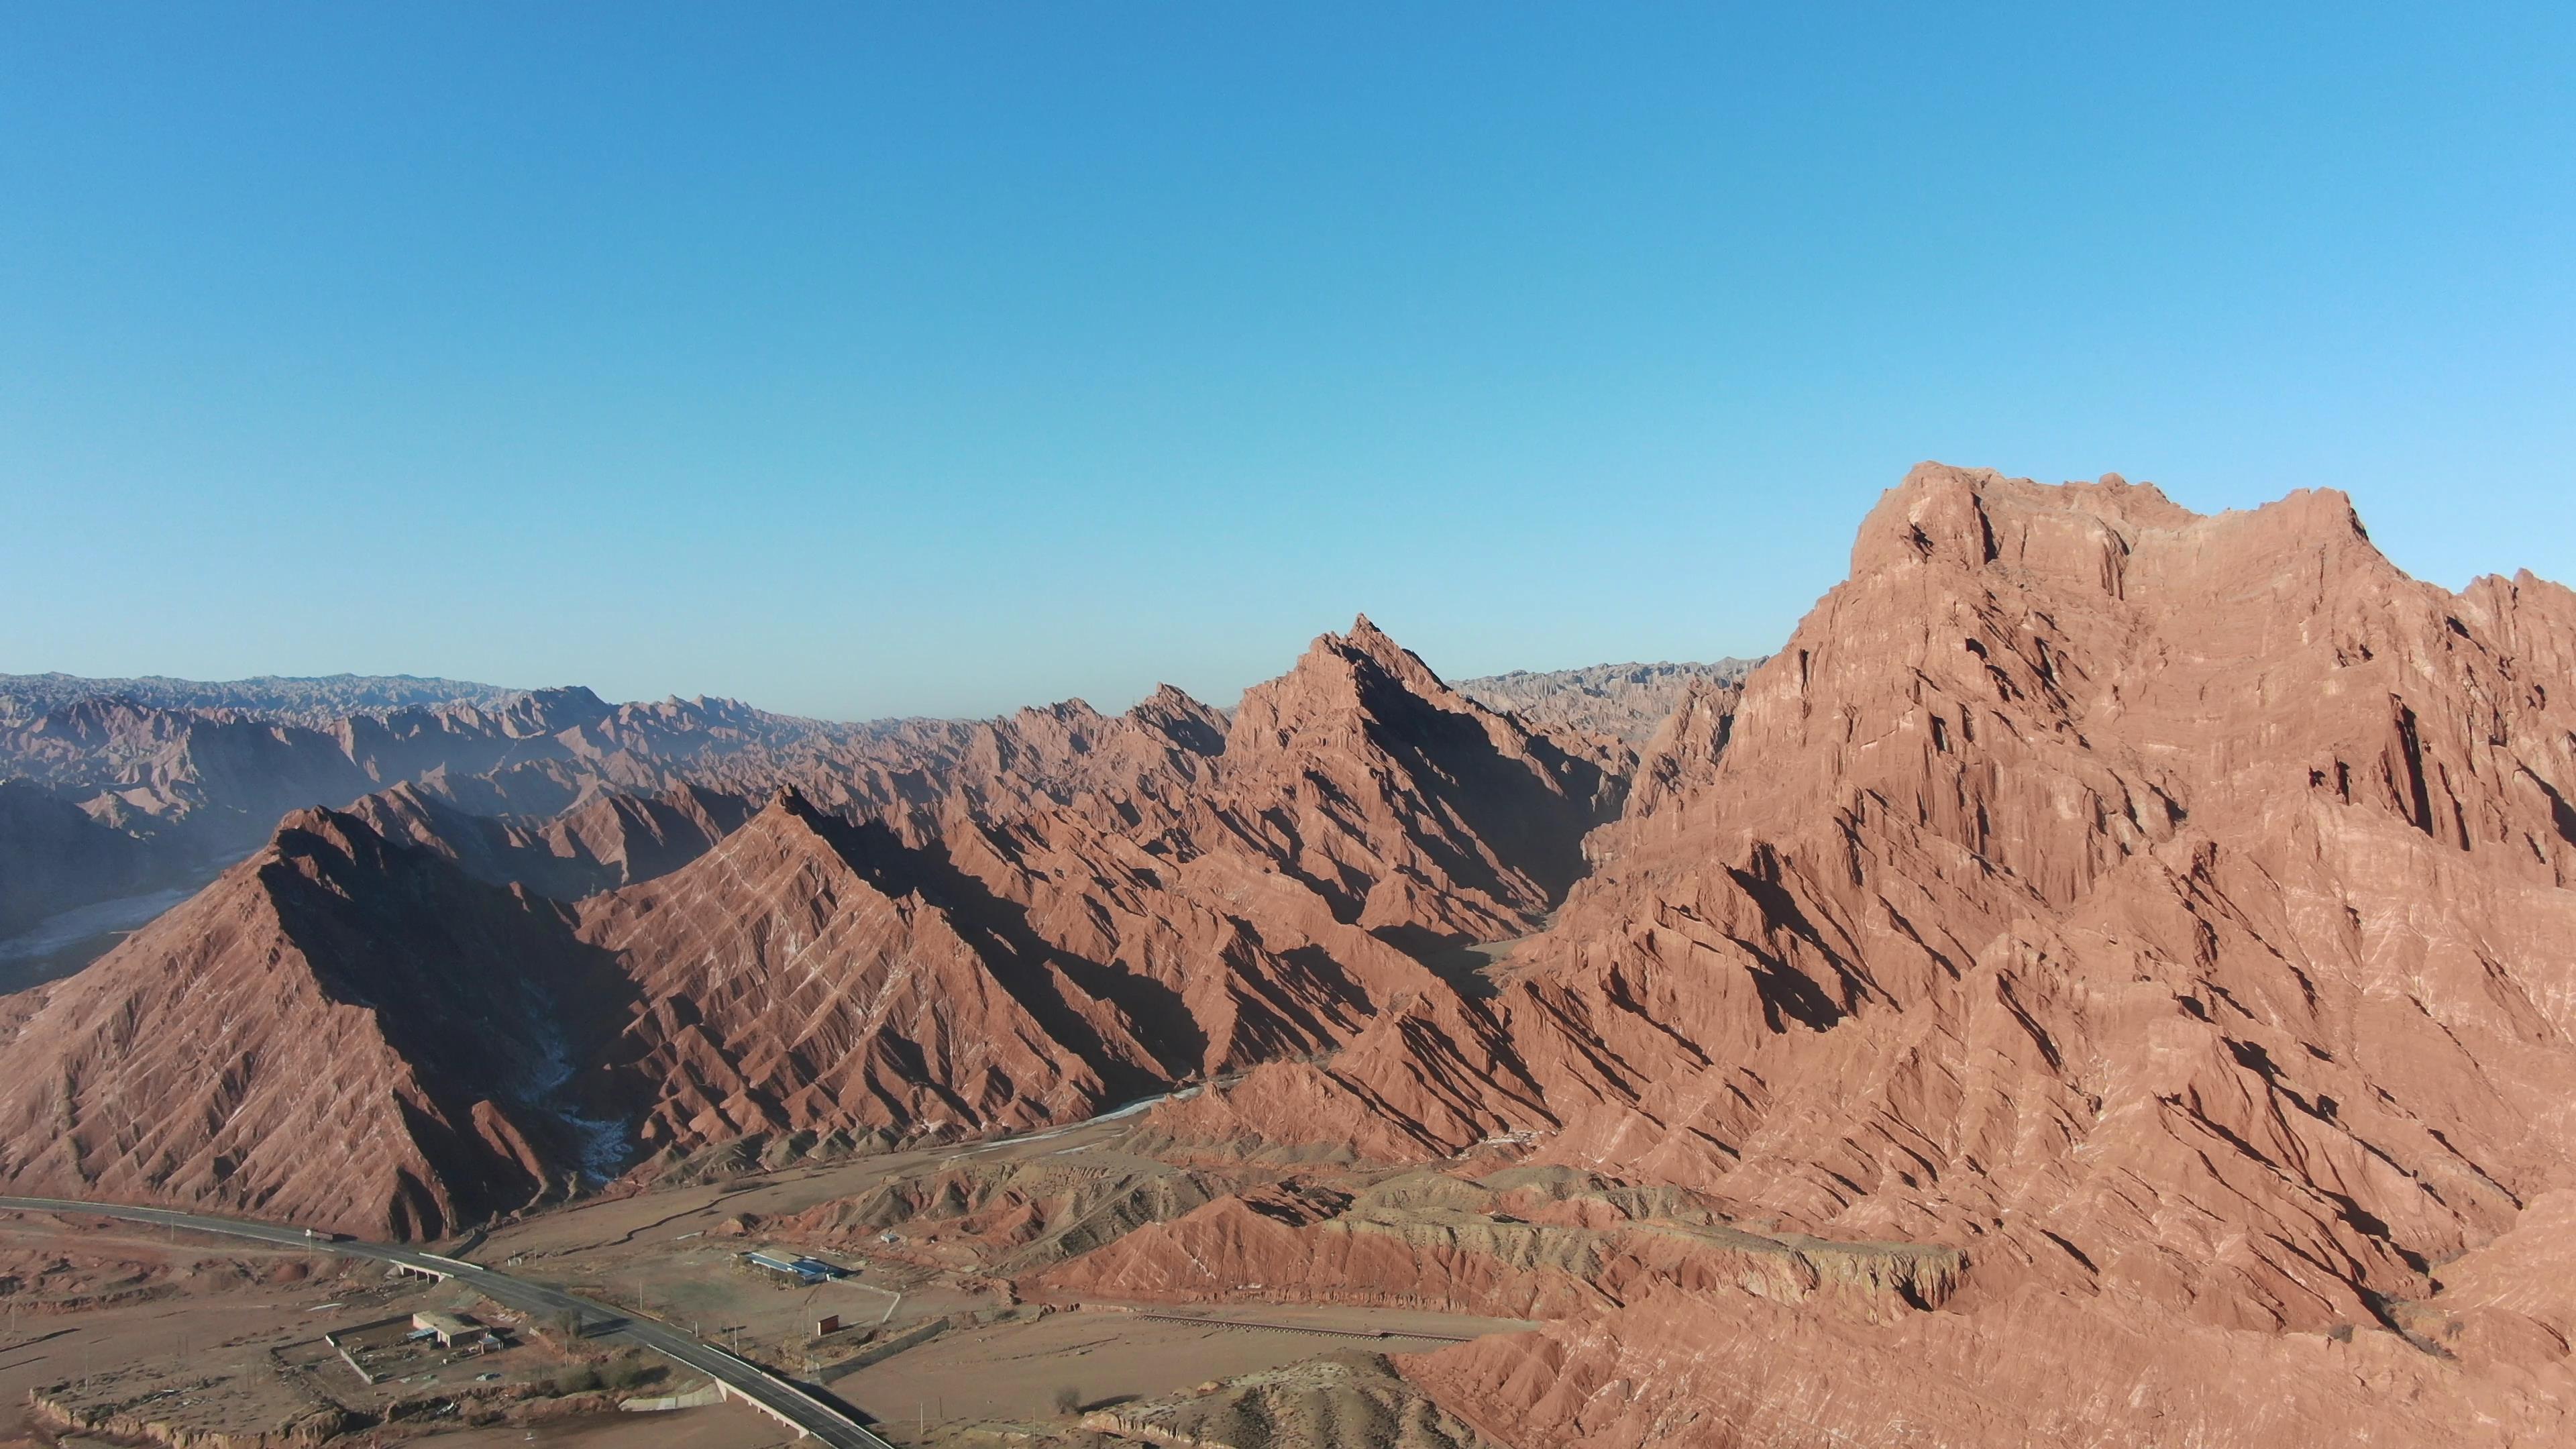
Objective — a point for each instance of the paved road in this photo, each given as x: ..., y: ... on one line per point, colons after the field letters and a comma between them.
x: 783, y: 1400
x: 832, y: 1425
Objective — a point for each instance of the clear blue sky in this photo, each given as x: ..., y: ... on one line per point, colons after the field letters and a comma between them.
x: 945, y: 357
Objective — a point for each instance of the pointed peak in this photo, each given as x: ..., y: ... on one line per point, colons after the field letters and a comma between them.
x: 1170, y: 702
x: 320, y: 841
x: 795, y: 815
x: 404, y: 792
x: 1076, y: 709
x: 1366, y: 641
x: 789, y: 822
x: 561, y: 707
x: 1367, y: 638
x: 1173, y: 714
x: 789, y: 800
x: 317, y: 820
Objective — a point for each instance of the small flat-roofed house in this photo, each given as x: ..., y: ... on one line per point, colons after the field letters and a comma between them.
x: 452, y: 1330
x: 802, y: 1270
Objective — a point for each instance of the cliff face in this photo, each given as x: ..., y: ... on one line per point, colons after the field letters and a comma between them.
x: 2166, y: 911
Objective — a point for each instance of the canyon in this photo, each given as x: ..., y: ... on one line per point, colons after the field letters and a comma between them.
x: 2103, y: 980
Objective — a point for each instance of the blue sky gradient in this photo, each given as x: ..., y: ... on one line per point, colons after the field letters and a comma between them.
x: 943, y: 358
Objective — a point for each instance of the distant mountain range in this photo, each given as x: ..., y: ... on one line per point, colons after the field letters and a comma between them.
x: 119, y: 787
x: 1624, y: 700
x: 306, y: 700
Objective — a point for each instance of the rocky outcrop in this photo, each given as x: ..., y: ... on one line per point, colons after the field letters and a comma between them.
x: 1409, y: 807
x: 1012, y: 1217
x: 1343, y: 1400
x: 1517, y: 1244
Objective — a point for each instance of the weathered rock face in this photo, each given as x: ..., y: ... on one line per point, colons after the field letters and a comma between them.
x: 794, y: 978
x: 340, y: 1031
x: 2167, y: 911
x: 1414, y: 810
x: 1728, y: 1368
x: 1004, y: 1217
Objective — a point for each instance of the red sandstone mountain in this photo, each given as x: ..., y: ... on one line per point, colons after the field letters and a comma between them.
x: 2168, y: 912
x: 1062, y: 911
x: 2105, y: 980
x: 340, y: 1031
x: 1101, y: 909
x: 795, y: 979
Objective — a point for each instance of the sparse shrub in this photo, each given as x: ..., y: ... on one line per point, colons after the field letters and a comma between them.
x: 578, y: 1379
x: 626, y: 1372
x: 2340, y: 1333
x: 1068, y: 1399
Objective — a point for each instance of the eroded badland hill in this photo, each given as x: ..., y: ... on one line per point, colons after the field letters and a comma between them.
x: 2105, y: 980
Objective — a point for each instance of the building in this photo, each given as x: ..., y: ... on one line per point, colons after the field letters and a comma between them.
x: 803, y: 1270
x: 453, y: 1330
x: 785, y: 1267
